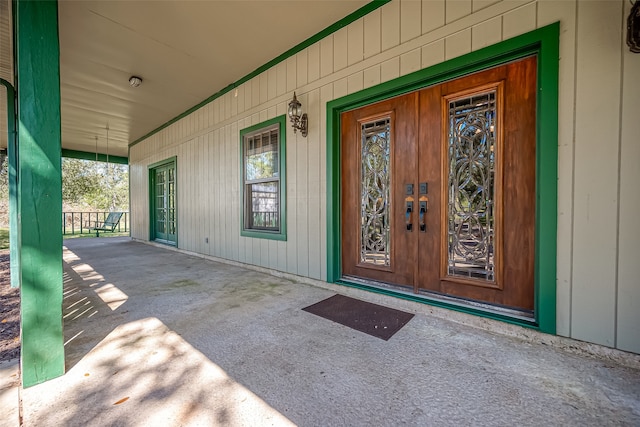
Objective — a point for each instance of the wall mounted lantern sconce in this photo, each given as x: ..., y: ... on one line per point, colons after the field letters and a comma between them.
x: 135, y: 81
x: 298, y: 120
x: 633, y: 28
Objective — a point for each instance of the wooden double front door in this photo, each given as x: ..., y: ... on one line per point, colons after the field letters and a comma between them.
x: 438, y: 188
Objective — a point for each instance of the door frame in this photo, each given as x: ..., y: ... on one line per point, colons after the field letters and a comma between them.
x: 543, y: 42
x: 151, y: 173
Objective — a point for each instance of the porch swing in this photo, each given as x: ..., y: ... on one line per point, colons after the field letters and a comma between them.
x: 112, y: 220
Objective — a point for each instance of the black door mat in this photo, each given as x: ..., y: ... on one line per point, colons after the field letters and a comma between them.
x: 373, y: 319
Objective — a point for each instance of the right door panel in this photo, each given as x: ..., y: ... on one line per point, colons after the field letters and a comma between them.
x: 477, y: 153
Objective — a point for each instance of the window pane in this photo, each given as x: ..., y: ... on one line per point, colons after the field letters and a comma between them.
x: 261, y: 156
x: 262, y: 180
x: 263, y: 206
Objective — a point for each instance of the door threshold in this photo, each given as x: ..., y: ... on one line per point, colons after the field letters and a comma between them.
x: 525, y: 316
x: 165, y: 242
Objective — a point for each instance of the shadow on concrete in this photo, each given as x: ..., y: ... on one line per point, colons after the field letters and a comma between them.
x: 155, y: 337
x: 124, y: 365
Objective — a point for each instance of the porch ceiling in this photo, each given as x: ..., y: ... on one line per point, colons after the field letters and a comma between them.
x: 185, y: 51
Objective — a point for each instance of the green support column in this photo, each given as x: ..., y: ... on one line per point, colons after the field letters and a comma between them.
x: 39, y: 189
x: 12, y: 147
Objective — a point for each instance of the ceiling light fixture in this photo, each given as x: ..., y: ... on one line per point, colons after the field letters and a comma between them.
x: 135, y: 81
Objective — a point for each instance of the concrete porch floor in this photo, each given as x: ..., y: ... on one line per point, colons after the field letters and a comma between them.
x: 155, y: 337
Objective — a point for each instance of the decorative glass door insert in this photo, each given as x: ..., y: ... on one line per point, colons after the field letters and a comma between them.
x: 375, y: 192
x: 471, y: 182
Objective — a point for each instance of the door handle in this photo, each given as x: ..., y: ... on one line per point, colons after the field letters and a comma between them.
x: 423, y: 203
x: 423, y: 210
x: 408, y: 214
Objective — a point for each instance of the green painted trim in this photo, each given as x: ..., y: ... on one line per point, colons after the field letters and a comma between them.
x: 269, y: 235
x: 39, y: 189
x: 543, y: 42
x: 152, y: 192
x: 85, y: 155
x: 547, y: 179
x: 12, y: 153
x: 129, y: 192
x: 282, y: 131
x: 173, y: 159
x: 364, y: 10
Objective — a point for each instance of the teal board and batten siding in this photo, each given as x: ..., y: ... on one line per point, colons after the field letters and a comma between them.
x: 598, y: 285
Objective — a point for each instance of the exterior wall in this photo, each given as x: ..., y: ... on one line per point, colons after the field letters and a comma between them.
x: 598, y: 286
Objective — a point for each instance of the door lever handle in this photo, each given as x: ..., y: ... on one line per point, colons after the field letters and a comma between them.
x: 423, y: 210
x: 407, y: 216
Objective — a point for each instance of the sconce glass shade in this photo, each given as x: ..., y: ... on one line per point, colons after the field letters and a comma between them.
x: 295, y: 108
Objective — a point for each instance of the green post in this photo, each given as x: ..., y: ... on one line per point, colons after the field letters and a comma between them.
x: 12, y: 147
x: 39, y: 189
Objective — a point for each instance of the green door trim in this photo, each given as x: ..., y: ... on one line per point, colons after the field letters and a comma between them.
x: 97, y: 157
x: 543, y: 42
x: 151, y: 169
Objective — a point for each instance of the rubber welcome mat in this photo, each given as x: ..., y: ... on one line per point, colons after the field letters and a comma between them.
x: 373, y: 319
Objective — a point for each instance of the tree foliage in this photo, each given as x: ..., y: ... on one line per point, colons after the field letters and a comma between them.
x: 95, y: 185
x: 86, y: 186
x: 4, y: 176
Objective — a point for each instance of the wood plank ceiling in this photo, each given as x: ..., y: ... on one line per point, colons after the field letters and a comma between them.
x: 185, y: 51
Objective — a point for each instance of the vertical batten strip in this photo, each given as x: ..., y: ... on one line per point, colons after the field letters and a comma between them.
x: 313, y: 183
x: 372, y: 34
x: 457, y: 9
x: 596, y: 155
x: 433, y: 15
x: 410, y: 19
x: 628, y: 315
x: 390, y: 25
x: 548, y: 13
x: 355, y: 42
x: 340, y: 49
x: 313, y: 61
x: 302, y: 68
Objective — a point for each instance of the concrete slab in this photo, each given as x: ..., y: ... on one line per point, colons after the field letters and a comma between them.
x: 156, y: 337
x: 9, y: 393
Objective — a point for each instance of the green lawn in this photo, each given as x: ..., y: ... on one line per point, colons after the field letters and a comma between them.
x: 93, y: 234
x: 4, y: 238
